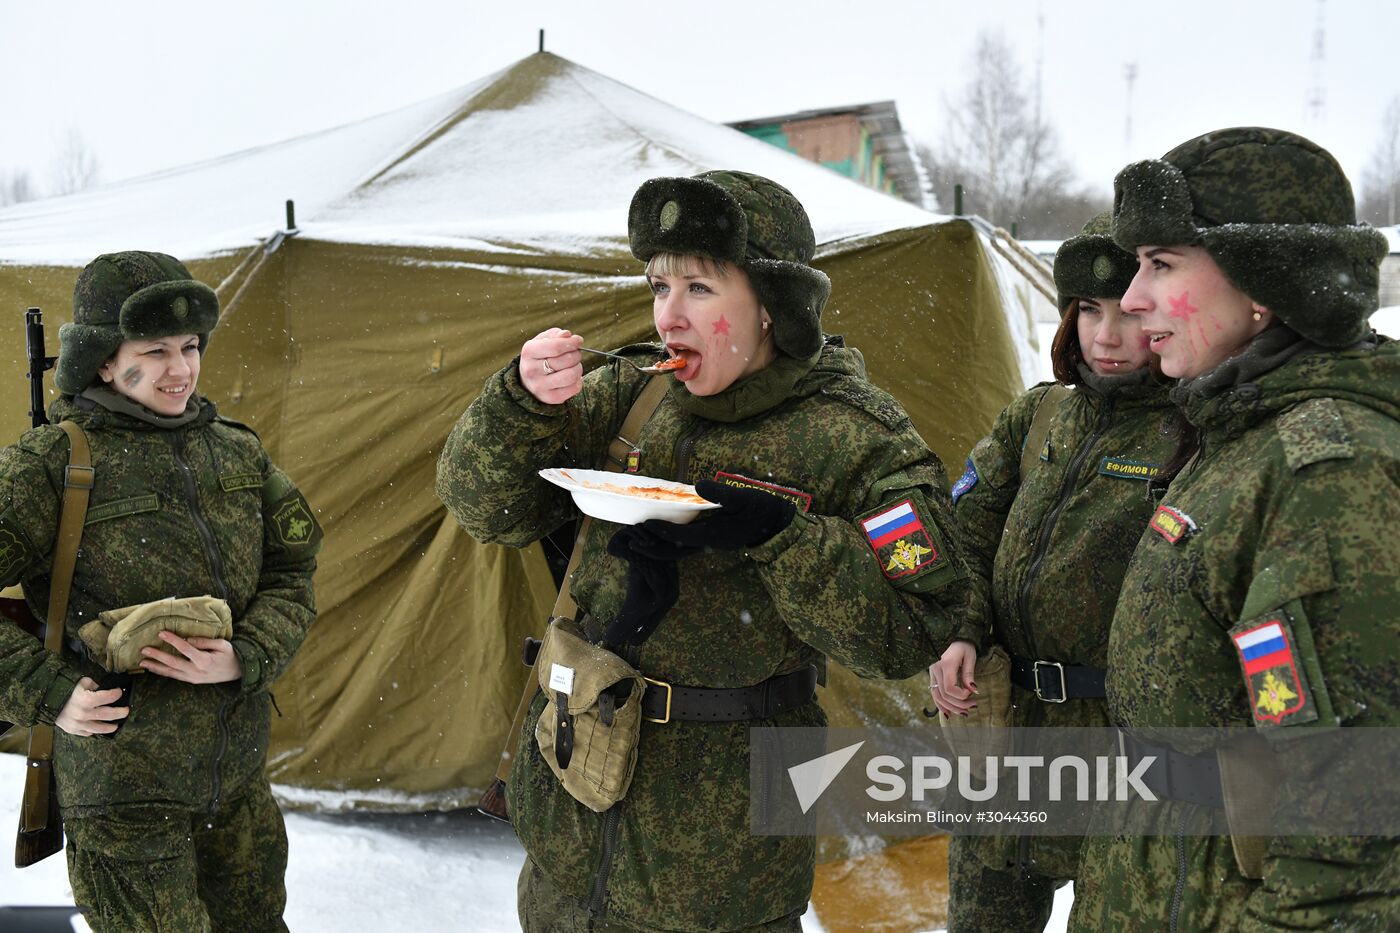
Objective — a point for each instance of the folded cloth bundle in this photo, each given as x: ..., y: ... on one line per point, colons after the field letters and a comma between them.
x: 115, y: 638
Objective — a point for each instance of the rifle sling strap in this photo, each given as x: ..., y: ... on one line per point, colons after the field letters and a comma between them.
x: 564, y: 606
x: 78, y: 479
x: 1039, y: 432
x: 615, y: 462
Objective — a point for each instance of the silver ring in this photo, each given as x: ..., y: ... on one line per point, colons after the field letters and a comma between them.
x: 548, y: 371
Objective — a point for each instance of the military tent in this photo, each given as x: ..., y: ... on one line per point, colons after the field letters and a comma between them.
x: 429, y: 244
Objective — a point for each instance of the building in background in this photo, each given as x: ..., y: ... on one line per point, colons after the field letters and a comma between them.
x: 864, y: 142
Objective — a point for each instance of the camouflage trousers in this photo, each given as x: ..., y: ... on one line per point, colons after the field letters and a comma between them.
x: 546, y: 909
x: 148, y: 868
x: 984, y: 900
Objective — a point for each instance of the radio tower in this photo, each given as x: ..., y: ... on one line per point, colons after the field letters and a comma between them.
x: 1315, y: 103
x: 1129, y: 75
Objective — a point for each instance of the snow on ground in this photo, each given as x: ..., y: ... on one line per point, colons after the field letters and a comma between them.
x: 365, y: 871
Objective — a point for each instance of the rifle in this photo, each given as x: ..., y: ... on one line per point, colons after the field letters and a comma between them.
x: 493, y: 801
x: 40, y: 821
x: 17, y: 610
x: 38, y: 364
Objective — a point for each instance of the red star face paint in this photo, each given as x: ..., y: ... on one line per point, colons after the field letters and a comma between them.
x: 1193, y: 316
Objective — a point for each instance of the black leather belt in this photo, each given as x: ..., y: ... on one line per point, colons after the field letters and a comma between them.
x: 665, y: 702
x: 1175, y: 775
x: 1053, y: 682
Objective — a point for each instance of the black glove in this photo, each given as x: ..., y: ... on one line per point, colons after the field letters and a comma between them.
x: 747, y: 518
x: 653, y: 586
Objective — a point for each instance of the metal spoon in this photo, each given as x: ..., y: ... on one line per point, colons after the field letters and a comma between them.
x: 652, y: 370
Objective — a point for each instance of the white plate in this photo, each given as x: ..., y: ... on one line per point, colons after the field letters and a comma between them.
x: 603, y: 495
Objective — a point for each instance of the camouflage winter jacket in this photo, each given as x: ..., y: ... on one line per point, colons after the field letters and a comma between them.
x: 680, y: 850
x: 186, y: 511
x: 1050, y: 549
x: 1286, y: 518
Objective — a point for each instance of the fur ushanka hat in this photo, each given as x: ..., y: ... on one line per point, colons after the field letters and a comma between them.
x: 1275, y: 212
x: 747, y: 220
x: 1091, y: 265
x: 129, y: 296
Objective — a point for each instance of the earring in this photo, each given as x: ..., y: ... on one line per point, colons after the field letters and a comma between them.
x: 765, y: 325
x: 1258, y: 315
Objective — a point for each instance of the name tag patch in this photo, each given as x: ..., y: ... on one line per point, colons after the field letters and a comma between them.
x: 561, y: 678
x: 901, y: 543
x: 802, y: 500
x: 1278, y: 691
x: 965, y: 482
x: 1171, y: 523
x: 1128, y: 469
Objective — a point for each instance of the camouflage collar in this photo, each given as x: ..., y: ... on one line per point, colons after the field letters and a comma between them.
x: 1141, y: 386
x: 1232, y: 396
x: 122, y: 410
x: 752, y: 395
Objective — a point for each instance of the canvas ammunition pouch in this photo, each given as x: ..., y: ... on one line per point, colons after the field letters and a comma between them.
x: 984, y: 731
x: 115, y: 638
x: 591, y: 724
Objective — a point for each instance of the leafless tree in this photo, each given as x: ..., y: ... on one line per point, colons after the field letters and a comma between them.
x: 1380, y: 183
x: 16, y: 187
x: 75, y: 165
x: 1004, y: 154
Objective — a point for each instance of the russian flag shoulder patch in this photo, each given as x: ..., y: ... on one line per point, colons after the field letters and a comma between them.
x: 901, y: 544
x: 1278, y: 689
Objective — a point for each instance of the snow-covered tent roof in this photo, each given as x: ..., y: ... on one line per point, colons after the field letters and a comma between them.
x: 475, y: 164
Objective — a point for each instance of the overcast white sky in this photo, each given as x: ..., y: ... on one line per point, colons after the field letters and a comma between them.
x: 156, y: 83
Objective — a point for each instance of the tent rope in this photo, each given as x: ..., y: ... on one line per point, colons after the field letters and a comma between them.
x: 260, y: 252
x: 1031, y: 267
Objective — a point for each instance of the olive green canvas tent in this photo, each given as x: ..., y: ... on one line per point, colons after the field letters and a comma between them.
x: 431, y: 242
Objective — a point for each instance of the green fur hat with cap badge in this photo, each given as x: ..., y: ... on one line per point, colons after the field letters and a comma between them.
x: 1276, y: 213
x: 132, y: 295
x: 750, y: 221
x: 1091, y: 265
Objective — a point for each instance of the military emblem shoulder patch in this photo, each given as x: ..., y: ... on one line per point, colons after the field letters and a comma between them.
x: 802, y: 500
x: 901, y: 544
x: 1278, y: 689
x: 15, y: 554
x: 293, y: 522
x: 965, y: 482
x: 1172, y: 524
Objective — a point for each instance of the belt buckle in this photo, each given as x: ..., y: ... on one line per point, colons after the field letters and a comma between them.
x: 660, y: 683
x: 78, y: 477
x: 1035, y: 675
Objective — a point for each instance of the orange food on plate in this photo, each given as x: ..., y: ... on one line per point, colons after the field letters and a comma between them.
x: 660, y: 493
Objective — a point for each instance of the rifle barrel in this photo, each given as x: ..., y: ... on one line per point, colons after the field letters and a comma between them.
x: 39, y: 363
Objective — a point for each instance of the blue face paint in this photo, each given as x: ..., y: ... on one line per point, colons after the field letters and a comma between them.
x: 965, y: 482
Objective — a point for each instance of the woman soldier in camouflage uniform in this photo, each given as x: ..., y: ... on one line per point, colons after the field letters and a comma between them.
x: 832, y: 540
x: 1048, y: 533
x: 1263, y: 596
x: 170, y: 821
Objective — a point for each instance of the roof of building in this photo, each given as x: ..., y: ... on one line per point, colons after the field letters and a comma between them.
x: 890, y: 142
